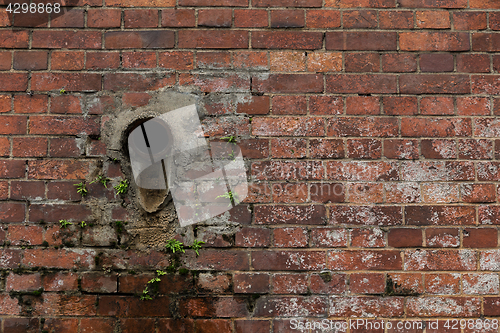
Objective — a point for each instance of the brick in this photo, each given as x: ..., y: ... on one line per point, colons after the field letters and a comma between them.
x: 24, y: 282
x: 480, y: 238
x: 488, y: 171
x: 367, y: 283
x: 71, y: 19
x: 365, y: 193
x: 97, y: 325
x: 473, y: 106
x: 14, y: 39
x: 65, y: 305
x: 369, y: 238
x: 326, y: 105
x: 289, y: 105
x: 141, y: 3
x: 458, y: 307
x: 287, y: 61
x: 250, y: 60
x: 435, y: 127
x: 473, y: 63
x: 472, y: 149
x: 485, y: 84
x: 85, y: 82
x: 104, y: 18
x: 400, y: 105
x: 56, y: 212
x: 434, y: 41
x: 433, y: 3
x: 290, y: 237
x: 327, y: 192
x: 279, y: 214
x: 362, y: 105
x: 399, y: 63
x: 31, y: 104
x: 433, y: 19
x: 10, y: 259
x: 30, y: 60
x: 284, y: 260
x: 322, y: 19
x: 250, y: 18
x: 5, y: 103
x: 288, y: 126
x: 214, y: 3
x: 364, y: 149
x: 478, y: 193
x: 440, y: 62
x: 361, y: 41
x: 12, y: 212
x: 25, y: 235
x: 181, y: 18
x: 53, y: 325
x: 369, y: 306
x: 67, y: 60
x: 139, y: 59
x: 486, y: 127
x: 405, y: 237
x: 442, y: 284
x: 358, y: 3
x: 288, y: 148
x: 486, y: 42
x: 324, y: 62
x: 402, y: 193
x: 221, y: 18
x: 66, y: 39
x: 489, y: 260
x: 58, y: 169
x: 179, y: 60
x: 13, y: 81
x: 367, y: 126
x: 401, y: 149
x: 103, y: 60
x: 440, y: 260
x: 130, y: 325
x: 98, y: 283
x: 209, y: 306
x: 215, y: 83
x: 287, y: 18
x: 439, y: 149
x: 254, y: 105
x: 396, y: 19
x: 361, y: 171
x: 362, y: 62
x: 136, y: 82
x: 214, y: 325
x: 65, y: 104
x: 63, y: 125
x: 328, y: 237
x: 328, y: 283
x: 287, y: 3
x: 282, y: 306
x: 405, y: 283
x: 175, y: 325
x: 442, y: 237
x: 480, y: 284
x: 12, y: 169
x: 256, y: 326
x: 212, y: 39
x: 494, y: 21
x: 359, y: 19
x: 437, y: 106
x: 304, y: 40
x: 19, y: 325
x: 469, y: 20
x: 289, y: 283
x: 139, y: 39
x: 4, y: 147
x: 29, y: 147
x: 361, y: 84
x: 127, y: 306
x: 434, y: 84
x: 64, y: 147
x: 60, y: 281
x: 249, y: 283
x: 213, y: 60
x: 440, y: 193
x: 64, y: 259
x: 140, y: 18
x: 364, y: 259
x: 440, y: 215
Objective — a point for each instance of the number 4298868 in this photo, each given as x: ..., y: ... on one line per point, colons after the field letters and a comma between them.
x: 33, y: 8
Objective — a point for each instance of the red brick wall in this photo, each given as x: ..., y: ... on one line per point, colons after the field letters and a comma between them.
x: 389, y: 104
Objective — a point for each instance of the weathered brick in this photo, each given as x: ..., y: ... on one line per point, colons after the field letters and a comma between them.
x: 289, y: 283
x: 396, y: 19
x: 178, y: 18
x: 364, y: 259
x: 366, y: 126
x: 104, y: 18
x: 152, y: 39
x: 66, y: 39
x: 361, y: 41
x: 322, y: 19
x: 212, y: 39
x: 440, y: 260
x: 440, y: 62
x: 399, y: 63
x: 30, y: 60
x: 304, y: 40
x: 281, y: 306
x: 367, y: 283
x: 12, y: 168
x: 457, y: 307
x: 361, y: 84
x: 436, y: 127
x: 440, y: 215
x: 85, y: 82
x: 442, y: 237
x: 369, y: 306
x: 140, y: 18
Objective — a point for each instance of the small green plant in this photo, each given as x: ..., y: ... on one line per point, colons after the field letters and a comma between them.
x: 64, y: 224
x: 122, y: 187
x: 120, y: 225
x: 146, y: 295
x: 82, y: 224
x: 233, y: 197
x: 62, y: 91
x: 197, y: 246
x: 230, y: 139
x: 101, y: 179
x: 175, y: 246
x: 82, y: 188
